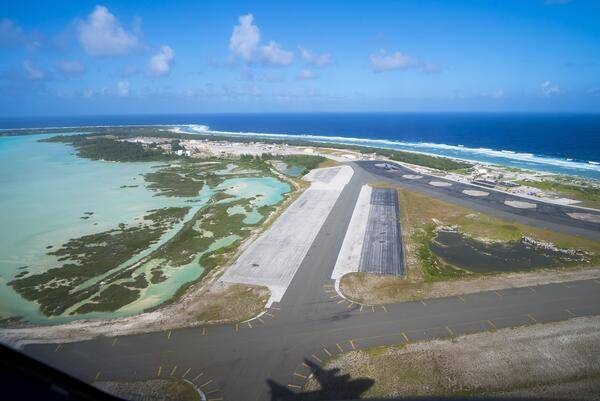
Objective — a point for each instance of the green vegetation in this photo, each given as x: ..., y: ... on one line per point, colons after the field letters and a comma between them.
x: 307, y: 162
x: 112, y: 298
x: 110, y: 149
x: 91, y: 256
x: 589, y: 195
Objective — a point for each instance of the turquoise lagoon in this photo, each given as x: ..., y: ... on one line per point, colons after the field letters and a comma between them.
x: 45, y: 190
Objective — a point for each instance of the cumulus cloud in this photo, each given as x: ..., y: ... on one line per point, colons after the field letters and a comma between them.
x: 123, y: 88
x: 32, y: 72
x: 244, y: 44
x: 101, y: 34
x: 160, y: 63
x: 549, y: 89
x: 70, y: 67
x: 316, y: 60
x: 305, y: 74
x: 384, y: 61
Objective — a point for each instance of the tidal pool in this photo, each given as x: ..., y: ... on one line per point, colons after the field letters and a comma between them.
x: 481, y: 257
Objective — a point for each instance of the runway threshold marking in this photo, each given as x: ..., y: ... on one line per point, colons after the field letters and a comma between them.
x: 327, y: 351
x: 317, y: 358
x: 186, y: 373
x: 449, y: 330
x: 198, y: 376
x: 570, y: 313
x: 492, y: 324
x: 173, y: 370
x: 339, y: 347
x: 159, y: 371
x: 352, y: 344
x: 405, y: 338
x: 534, y: 320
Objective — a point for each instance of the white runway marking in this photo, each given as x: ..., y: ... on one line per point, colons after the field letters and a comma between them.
x: 440, y: 183
x: 412, y: 176
x: 474, y: 192
x: 520, y: 204
x: 594, y: 218
x: 273, y: 259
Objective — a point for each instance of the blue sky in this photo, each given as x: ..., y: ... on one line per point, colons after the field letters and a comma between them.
x: 79, y: 57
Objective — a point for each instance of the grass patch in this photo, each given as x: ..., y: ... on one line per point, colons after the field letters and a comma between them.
x: 587, y: 194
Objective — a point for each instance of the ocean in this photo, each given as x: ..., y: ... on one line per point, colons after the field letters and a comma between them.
x: 556, y: 143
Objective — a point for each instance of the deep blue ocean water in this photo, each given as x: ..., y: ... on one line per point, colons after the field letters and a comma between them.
x: 539, y: 141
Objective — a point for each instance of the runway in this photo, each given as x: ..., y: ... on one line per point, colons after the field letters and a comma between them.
x: 274, y: 353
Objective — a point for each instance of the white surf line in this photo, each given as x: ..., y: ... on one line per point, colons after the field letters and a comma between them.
x: 273, y: 258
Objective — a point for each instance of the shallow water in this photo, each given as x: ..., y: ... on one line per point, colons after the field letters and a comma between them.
x: 482, y: 257
x: 45, y: 190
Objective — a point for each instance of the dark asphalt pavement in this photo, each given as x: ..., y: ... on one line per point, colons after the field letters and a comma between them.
x: 252, y: 361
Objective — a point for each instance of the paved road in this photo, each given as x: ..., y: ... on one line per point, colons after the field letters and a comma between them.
x: 274, y: 354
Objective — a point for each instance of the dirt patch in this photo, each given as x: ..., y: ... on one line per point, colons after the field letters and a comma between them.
x: 373, y: 289
x: 151, y: 390
x: 509, y: 361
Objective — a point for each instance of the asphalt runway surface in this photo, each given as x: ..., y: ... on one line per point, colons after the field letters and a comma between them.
x: 270, y: 358
x: 382, y: 245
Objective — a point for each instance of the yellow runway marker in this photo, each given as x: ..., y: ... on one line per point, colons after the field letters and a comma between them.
x: 326, y: 351
x: 317, y: 358
x: 570, y: 313
x: 169, y: 335
x: 449, y: 330
x: 352, y: 344
x: 294, y: 386
x: 340, y: 347
x: 186, y: 373
x: 497, y: 293
x: 260, y: 320
x: 249, y: 325
x: 384, y: 308
x: 299, y: 375
x: 206, y: 383
x: 461, y: 298
x: 405, y: 338
x: 341, y: 300
x: 114, y: 342
x: 350, y: 305
x: 423, y: 302
x: 534, y: 320
x: 97, y: 376
x: 58, y: 347
x: 159, y: 371
x: 268, y: 314
x: 492, y: 324
x: 173, y: 370
x: 197, y: 377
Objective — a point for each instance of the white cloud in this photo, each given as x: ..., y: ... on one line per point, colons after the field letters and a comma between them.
x: 160, y: 63
x: 496, y: 94
x: 101, y: 34
x: 33, y: 73
x: 316, y: 60
x: 383, y: 61
x: 275, y: 55
x: 10, y: 33
x: 549, y: 89
x: 305, y: 74
x: 430, y: 68
x: 123, y: 88
x: 244, y: 43
x: 245, y: 38
x: 70, y: 68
